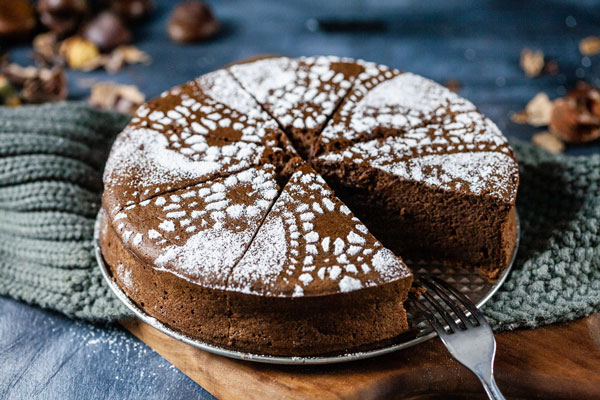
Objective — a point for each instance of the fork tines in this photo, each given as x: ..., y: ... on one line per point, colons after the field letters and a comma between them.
x: 453, y: 308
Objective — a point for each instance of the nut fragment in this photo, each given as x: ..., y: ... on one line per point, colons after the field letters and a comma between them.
x: 532, y: 62
x: 109, y: 95
x: 39, y: 85
x: 576, y: 117
x: 124, y: 55
x: 45, y: 48
x: 17, y: 75
x: 49, y: 86
x: 78, y: 52
x: 62, y: 16
x: 590, y: 46
x: 192, y: 21
x: 549, y: 142
x: 536, y: 113
x: 17, y: 19
x: 107, y: 31
x: 132, y: 10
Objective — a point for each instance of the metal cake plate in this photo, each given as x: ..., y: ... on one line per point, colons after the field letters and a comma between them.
x: 467, y: 281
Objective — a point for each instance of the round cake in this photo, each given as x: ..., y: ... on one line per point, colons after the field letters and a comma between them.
x: 267, y: 207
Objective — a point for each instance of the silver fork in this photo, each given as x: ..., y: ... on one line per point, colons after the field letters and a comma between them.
x: 470, y: 340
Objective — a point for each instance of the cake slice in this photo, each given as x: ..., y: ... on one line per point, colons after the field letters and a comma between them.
x: 440, y: 188
x: 300, y: 93
x: 311, y: 247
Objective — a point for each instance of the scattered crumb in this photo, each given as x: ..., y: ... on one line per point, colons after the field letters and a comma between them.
x: 532, y: 62
x: 550, y: 67
x: 453, y: 85
x: 50, y: 85
x: 45, y: 48
x: 117, y: 59
x: 17, y: 74
x: 549, y: 142
x: 520, y: 117
x: 536, y: 113
x: 590, y: 46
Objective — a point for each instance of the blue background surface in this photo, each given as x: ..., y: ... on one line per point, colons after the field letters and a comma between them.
x: 46, y: 356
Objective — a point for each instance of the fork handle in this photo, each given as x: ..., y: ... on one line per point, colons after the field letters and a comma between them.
x: 491, y: 389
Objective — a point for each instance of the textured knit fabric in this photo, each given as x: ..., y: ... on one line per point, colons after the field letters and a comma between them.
x: 556, y: 276
x: 51, y: 160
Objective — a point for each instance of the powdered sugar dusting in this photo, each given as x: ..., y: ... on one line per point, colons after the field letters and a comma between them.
x: 190, y: 189
x: 143, y: 164
x: 382, y: 98
x: 265, y: 261
x: 288, y: 254
x: 207, y: 255
x: 300, y: 93
x: 348, y: 284
x: 210, y: 230
x: 431, y: 135
x: 124, y: 274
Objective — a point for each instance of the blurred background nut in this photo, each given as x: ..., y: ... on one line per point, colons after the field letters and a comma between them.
x: 49, y: 85
x: 62, y: 16
x: 131, y: 10
x: 38, y: 85
x: 17, y: 74
x: 576, y: 117
x: 79, y: 52
x: 107, y: 31
x: 192, y: 21
x: 45, y: 48
x: 8, y: 94
x: 17, y: 19
x: 109, y: 95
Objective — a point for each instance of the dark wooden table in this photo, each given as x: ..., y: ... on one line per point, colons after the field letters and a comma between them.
x: 46, y: 356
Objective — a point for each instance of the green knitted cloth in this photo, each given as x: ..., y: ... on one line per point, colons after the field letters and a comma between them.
x: 51, y: 160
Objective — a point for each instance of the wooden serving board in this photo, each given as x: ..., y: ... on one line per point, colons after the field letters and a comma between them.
x: 554, y: 362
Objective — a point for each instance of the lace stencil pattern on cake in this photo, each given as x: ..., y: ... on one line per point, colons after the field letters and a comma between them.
x: 301, y: 94
x: 304, y: 241
x: 200, y: 232
x: 312, y: 244
x: 187, y: 137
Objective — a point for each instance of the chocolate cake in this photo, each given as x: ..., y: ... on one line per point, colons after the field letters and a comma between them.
x: 264, y: 207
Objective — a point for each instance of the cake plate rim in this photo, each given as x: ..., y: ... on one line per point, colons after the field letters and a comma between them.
x: 283, y: 360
